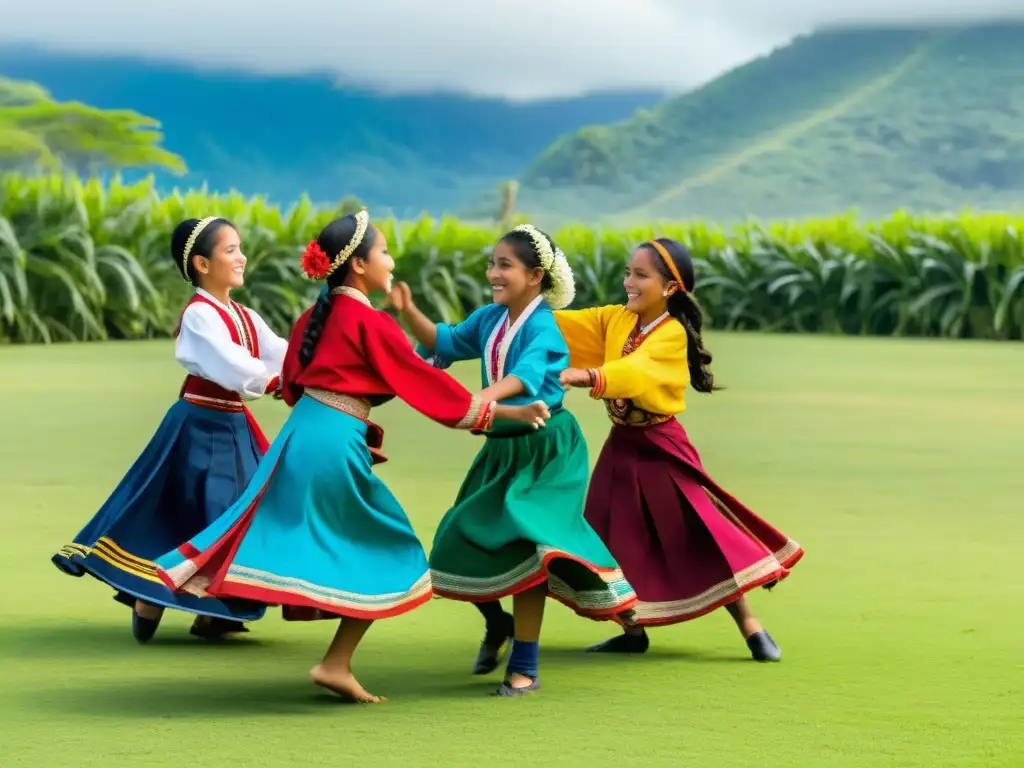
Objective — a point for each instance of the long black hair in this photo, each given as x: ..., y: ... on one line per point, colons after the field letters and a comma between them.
x: 683, y: 306
x: 203, y: 245
x: 333, y: 239
x: 522, y: 246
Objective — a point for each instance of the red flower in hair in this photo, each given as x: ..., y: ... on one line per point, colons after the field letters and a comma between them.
x: 315, y: 262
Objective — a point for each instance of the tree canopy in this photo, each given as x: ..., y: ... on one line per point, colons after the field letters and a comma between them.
x: 39, y: 132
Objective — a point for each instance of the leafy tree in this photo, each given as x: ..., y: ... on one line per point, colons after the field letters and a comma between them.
x: 38, y: 132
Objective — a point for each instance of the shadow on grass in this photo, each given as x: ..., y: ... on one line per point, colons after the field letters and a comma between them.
x: 189, y: 677
x: 263, y: 690
x: 79, y: 640
x: 654, y: 654
x: 148, y: 699
x: 239, y: 696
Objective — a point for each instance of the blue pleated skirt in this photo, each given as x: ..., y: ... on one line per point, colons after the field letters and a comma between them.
x: 193, y: 469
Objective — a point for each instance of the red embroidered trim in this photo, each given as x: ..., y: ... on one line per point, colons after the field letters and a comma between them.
x: 486, y: 419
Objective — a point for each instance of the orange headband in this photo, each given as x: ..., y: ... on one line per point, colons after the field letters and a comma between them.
x: 668, y: 262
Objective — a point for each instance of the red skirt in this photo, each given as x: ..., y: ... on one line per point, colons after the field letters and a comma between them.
x: 685, y: 545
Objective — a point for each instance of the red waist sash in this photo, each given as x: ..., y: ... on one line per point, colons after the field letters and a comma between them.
x: 207, y: 394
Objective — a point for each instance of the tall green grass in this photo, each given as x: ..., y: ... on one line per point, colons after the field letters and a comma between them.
x: 84, y: 260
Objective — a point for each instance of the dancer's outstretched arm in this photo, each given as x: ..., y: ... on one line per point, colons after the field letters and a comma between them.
x: 441, y: 344
x: 584, y: 331
x: 659, y: 361
x: 434, y: 393
x: 422, y: 327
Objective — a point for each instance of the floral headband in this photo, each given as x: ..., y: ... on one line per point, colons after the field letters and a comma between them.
x: 553, y: 261
x: 317, y: 265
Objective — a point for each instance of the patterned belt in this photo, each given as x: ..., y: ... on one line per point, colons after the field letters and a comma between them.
x: 214, y: 403
x: 625, y: 414
x: 350, y: 404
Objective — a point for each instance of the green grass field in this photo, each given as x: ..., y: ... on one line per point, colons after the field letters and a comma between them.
x: 897, y: 464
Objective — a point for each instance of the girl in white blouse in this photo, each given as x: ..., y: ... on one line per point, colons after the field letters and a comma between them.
x: 204, y: 451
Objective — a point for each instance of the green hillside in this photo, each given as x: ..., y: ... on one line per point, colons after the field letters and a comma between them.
x: 873, y: 120
x: 285, y: 136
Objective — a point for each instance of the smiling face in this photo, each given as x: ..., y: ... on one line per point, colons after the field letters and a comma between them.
x: 224, y: 267
x: 512, y: 282
x: 378, y: 268
x: 645, y: 285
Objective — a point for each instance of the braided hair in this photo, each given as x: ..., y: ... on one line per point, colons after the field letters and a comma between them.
x: 683, y: 306
x: 333, y: 239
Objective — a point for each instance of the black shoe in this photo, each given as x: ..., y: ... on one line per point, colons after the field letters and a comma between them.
x: 143, y: 629
x: 763, y: 648
x: 507, y: 690
x: 492, y: 648
x: 622, y: 644
x: 214, y: 628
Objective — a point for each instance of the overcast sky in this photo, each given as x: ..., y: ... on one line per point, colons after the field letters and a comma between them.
x: 512, y: 48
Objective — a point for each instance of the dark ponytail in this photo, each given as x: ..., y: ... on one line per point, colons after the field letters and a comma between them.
x: 333, y: 239
x: 683, y: 306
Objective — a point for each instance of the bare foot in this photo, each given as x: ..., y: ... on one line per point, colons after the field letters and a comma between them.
x: 344, y: 684
x: 515, y: 680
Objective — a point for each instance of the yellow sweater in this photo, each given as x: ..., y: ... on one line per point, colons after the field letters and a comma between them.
x: 654, y: 376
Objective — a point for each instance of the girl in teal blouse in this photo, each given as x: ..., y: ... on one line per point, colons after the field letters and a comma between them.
x: 517, y: 525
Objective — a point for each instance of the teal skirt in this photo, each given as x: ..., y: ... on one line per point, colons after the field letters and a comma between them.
x: 315, y: 531
x: 518, y: 522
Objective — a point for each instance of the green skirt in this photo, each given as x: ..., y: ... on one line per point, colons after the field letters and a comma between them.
x: 518, y: 522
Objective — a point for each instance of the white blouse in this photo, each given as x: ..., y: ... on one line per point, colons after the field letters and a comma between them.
x: 204, y: 348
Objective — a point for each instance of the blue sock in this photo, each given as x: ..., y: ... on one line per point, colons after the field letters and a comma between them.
x: 523, y: 659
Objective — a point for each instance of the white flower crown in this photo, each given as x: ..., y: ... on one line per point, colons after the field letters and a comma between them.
x: 553, y: 261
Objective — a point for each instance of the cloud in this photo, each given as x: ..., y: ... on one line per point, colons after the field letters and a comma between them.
x: 513, y: 48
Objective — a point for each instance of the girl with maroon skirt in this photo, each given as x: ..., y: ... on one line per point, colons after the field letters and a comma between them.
x: 683, y: 542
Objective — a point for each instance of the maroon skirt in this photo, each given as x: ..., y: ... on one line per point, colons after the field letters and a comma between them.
x: 685, y: 545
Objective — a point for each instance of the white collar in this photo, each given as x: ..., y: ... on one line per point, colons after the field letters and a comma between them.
x: 645, y: 329
x: 352, y: 293
x: 210, y: 297
x: 506, y: 342
x: 232, y: 313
